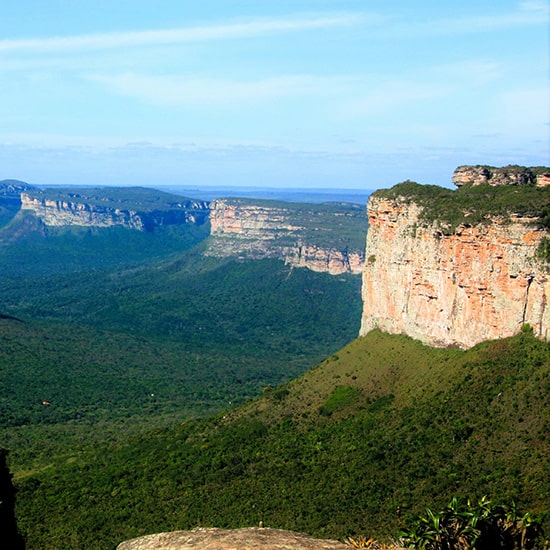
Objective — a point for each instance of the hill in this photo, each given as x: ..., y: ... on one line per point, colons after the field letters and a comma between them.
x: 369, y: 437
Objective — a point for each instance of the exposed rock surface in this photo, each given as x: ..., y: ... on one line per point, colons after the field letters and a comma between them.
x: 288, y: 232
x: 479, y: 283
x: 507, y: 175
x: 59, y: 213
x: 237, y: 539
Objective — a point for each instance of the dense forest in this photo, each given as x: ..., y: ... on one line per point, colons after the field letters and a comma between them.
x: 357, y: 446
x: 146, y: 387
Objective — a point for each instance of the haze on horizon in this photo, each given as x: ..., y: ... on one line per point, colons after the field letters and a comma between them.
x: 306, y: 93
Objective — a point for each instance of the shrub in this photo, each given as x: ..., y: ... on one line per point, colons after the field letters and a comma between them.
x: 481, y: 526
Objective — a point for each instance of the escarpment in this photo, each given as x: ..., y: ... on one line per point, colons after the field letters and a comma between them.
x: 454, y: 268
x: 141, y: 210
x: 324, y: 238
x: 507, y: 175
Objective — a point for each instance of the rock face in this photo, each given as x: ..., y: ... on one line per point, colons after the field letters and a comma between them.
x: 298, y: 234
x: 80, y: 212
x: 238, y: 539
x: 507, y: 175
x: 480, y: 282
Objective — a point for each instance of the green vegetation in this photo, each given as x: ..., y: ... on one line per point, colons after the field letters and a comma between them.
x: 409, y: 426
x: 472, y: 205
x: 341, y: 397
x: 543, y: 250
x: 125, y: 198
x: 481, y: 526
x: 261, y: 307
x: 334, y: 225
x: 167, y: 342
x: 113, y: 344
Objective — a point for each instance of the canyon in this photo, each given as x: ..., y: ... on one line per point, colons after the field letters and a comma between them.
x: 326, y: 238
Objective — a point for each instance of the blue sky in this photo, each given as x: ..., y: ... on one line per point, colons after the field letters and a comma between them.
x: 279, y: 93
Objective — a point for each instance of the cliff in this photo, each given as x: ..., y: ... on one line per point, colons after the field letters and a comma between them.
x: 322, y: 237
x: 506, y: 175
x: 454, y: 268
x: 133, y: 208
x: 325, y: 238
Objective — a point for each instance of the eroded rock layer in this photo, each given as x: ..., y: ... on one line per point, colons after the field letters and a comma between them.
x: 86, y: 213
x: 317, y: 238
x: 477, y: 283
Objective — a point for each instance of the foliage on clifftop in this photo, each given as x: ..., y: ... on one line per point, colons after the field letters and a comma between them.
x: 128, y: 198
x: 473, y: 205
x: 332, y: 224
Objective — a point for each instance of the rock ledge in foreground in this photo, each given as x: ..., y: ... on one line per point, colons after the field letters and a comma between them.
x: 254, y: 538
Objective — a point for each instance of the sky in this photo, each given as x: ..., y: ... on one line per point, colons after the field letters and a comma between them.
x: 345, y: 94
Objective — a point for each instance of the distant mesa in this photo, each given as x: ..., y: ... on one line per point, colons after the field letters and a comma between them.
x: 322, y: 237
x: 507, y: 175
x: 133, y: 207
x: 13, y: 187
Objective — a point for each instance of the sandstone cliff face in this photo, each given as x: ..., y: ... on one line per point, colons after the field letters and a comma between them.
x: 58, y: 213
x: 254, y: 231
x: 478, y: 283
x: 507, y: 175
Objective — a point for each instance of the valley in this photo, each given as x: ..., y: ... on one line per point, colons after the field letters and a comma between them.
x: 205, y: 369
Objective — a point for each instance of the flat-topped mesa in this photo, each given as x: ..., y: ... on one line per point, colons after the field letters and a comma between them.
x: 507, y: 175
x: 324, y: 238
x: 143, y: 210
x: 454, y: 268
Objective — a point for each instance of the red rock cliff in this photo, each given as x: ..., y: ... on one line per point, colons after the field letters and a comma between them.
x: 478, y: 283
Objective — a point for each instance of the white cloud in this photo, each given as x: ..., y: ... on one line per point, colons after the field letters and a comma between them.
x: 183, y: 90
x: 528, y: 13
x: 251, y: 28
x: 540, y: 6
x: 388, y: 96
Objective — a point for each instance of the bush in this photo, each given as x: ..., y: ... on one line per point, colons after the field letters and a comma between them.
x: 482, y: 526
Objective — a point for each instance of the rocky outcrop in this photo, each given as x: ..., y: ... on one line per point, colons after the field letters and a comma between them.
x: 302, y: 235
x: 507, y: 175
x: 226, y: 539
x: 454, y: 288
x: 63, y: 212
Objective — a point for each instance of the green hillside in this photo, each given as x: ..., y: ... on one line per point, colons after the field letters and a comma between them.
x: 339, y: 225
x: 386, y: 424
x: 31, y: 250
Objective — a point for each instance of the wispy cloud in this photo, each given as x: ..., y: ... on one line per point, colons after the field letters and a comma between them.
x: 183, y: 90
x: 246, y: 29
x: 528, y: 13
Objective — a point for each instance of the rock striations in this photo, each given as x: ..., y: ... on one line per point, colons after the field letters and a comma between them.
x: 324, y: 238
x: 507, y: 175
x: 302, y: 235
x: 93, y: 208
x: 460, y: 285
